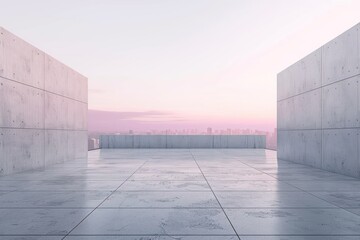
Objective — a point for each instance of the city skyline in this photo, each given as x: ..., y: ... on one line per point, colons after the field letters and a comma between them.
x: 271, y: 135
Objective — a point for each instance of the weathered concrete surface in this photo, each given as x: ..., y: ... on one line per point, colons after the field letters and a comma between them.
x: 318, y: 107
x: 182, y: 141
x: 43, y: 108
x: 187, y: 194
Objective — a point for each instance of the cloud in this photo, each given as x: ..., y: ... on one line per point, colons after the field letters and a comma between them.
x: 129, y: 115
x: 110, y: 121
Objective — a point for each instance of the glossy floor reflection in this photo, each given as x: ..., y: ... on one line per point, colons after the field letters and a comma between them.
x: 179, y: 194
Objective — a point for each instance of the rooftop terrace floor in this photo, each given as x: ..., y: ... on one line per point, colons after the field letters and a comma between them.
x: 180, y: 194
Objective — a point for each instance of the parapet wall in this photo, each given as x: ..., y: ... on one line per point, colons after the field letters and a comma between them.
x: 318, y: 107
x: 43, y: 108
x: 182, y: 141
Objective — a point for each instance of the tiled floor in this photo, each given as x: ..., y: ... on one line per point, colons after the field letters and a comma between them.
x: 180, y: 194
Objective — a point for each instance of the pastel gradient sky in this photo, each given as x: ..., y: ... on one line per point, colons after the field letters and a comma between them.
x: 180, y: 64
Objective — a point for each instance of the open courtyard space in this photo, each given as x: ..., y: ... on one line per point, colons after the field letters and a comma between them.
x: 179, y: 194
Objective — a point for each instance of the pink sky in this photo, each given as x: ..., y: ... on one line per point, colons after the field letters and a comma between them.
x: 180, y: 64
x: 109, y: 121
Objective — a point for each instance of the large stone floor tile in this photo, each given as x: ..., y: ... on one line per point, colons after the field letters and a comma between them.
x: 165, y: 186
x: 294, y: 221
x: 31, y: 237
x: 327, y: 186
x: 12, y: 185
x: 354, y: 210
x: 159, y: 221
x: 68, y: 185
x: 207, y: 165
x: 300, y: 237
x: 270, y: 200
x: 161, y: 200
x: 170, y: 177
x: 91, y: 177
x: 4, y: 192
x: 306, y: 176
x: 250, y: 186
x: 341, y: 199
x: 49, y: 199
x: 239, y: 176
x: 230, y: 170
x: 169, y: 170
x: 155, y: 237
x: 39, y: 221
x: 180, y: 164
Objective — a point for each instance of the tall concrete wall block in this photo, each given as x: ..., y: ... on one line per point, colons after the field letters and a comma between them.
x: 43, y: 108
x: 319, y: 107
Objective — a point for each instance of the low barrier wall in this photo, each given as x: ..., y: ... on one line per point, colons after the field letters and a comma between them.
x: 182, y: 141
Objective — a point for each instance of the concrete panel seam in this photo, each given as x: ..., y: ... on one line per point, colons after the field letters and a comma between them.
x: 358, y: 53
x: 43, y: 89
x: 312, y: 129
x: 321, y: 120
x: 356, y: 75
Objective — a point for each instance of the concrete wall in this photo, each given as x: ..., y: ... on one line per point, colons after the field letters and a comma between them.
x: 43, y: 108
x: 182, y: 141
x: 318, y: 107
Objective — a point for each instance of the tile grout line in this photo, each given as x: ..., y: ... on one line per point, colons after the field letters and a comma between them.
x: 227, y: 217
x: 181, y: 235
x: 103, y: 200
x: 196, y: 208
x: 306, y: 191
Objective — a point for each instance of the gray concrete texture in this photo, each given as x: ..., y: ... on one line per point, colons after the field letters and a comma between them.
x: 179, y: 194
x: 43, y: 108
x: 318, y: 107
x: 182, y: 141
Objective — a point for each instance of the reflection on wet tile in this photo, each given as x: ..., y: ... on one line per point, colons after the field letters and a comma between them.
x: 159, y: 221
x: 330, y: 186
x: 354, y: 210
x: 4, y: 192
x: 169, y: 170
x: 156, y: 237
x: 250, y: 186
x: 50, y: 199
x: 270, y: 200
x: 310, y: 175
x: 300, y: 238
x: 161, y: 200
x: 31, y: 237
x: 341, y: 199
x: 239, y: 176
x: 165, y: 186
x: 11, y: 185
x: 294, y: 221
x: 162, y: 194
x: 39, y: 221
x: 169, y: 177
x: 73, y: 185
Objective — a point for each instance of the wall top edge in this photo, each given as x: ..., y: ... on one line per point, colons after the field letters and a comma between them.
x: 163, y: 135
x: 320, y: 48
x: 4, y: 30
